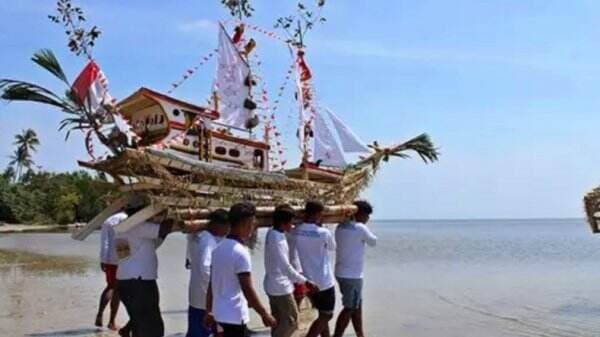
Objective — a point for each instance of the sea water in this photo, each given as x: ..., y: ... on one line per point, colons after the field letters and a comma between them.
x: 424, y: 278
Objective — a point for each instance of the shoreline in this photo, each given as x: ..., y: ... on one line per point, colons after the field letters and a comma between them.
x: 21, y: 228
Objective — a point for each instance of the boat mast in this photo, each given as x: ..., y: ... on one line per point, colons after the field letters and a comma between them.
x: 296, y: 26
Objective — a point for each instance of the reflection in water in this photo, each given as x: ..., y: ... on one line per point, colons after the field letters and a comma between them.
x: 37, y: 263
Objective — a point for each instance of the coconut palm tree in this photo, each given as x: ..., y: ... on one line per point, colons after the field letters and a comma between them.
x: 79, y: 115
x: 28, y: 140
x: 20, y: 159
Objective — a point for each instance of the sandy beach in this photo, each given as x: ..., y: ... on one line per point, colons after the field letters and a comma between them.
x: 470, y: 278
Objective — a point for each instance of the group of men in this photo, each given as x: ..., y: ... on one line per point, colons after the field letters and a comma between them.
x: 297, y: 265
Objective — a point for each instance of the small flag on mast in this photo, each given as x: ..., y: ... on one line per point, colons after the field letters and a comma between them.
x: 91, y: 87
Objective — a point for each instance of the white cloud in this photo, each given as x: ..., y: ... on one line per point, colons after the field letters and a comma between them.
x: 198, y: 26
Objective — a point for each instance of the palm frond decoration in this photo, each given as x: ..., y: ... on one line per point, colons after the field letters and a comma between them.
x: 45, y: 58
x: 80, y: 116
x: 14, y: 90
x: 421, y: 145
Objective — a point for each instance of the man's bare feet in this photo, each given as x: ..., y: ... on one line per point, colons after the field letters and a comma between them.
x: 98, y: 321
x: 112, y: 326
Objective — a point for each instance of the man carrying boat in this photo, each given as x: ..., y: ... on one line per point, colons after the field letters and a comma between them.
x: 137, y: 274
x: 108, y: 262
x: 280, y: 275
x: 231, y: 290
x: 312, y: 244
x: 201, y: 246
x: 351, y: 238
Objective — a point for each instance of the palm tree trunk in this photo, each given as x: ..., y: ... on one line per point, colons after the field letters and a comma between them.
x: 18, y: 173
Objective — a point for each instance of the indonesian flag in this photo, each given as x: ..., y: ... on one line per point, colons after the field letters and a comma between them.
x: 304, y: 78
x: 91, y: 87
x: 305, y: 73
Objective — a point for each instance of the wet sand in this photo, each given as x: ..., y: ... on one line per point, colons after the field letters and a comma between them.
x: 48, y: 293
x: 468, y: 278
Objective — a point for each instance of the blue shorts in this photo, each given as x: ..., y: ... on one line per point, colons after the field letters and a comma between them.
x: 196, y: 323
x: 351, y: 289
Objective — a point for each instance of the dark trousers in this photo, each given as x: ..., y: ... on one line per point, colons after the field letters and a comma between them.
x: 141, y: 300
x: 196, y: 323
x: 233, y: 330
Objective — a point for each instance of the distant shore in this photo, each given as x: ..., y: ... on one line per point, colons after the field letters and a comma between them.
x: 24, y: 228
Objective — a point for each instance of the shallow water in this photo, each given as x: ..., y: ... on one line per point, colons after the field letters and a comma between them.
x: 425, y: 278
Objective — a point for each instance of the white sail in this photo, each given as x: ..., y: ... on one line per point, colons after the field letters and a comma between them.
x: 230, y: 84
x: 326, y: 148
x: 350, y: 141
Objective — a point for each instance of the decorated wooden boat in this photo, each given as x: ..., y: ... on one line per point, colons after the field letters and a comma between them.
x: 170, y: 154
x: 591, y: 203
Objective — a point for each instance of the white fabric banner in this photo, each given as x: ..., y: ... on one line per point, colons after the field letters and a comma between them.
x: 232, y: 72
x: 326, y: 147
x: 350, y: 141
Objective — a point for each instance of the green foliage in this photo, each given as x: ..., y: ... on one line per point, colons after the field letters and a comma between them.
x: 72, y: 18
x: 239, y: 8
x: 44, y: 197
x: 297, y: 25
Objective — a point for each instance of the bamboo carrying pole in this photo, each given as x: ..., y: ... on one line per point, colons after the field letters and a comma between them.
x: 139, y: 217
x: 198, y: 218
x: 97, y: 221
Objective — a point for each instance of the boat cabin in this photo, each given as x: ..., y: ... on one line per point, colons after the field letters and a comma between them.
x: 191, y: 131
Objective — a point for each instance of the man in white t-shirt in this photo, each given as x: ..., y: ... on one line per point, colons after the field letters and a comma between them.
x: 280, y: 275
x: 108, y: 263
x: 201, y: 245
x: 231, y: 290
x: 137, y: 274
x: 312, y: 244
x: 351, y: 238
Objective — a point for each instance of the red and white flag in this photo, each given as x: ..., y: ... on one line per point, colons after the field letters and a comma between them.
x: 91, y: 87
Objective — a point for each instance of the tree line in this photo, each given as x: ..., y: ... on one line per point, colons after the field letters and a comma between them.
x: 28, y: 194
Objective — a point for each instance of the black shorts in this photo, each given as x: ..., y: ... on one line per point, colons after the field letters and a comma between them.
x: 233, y: 330
x: 324, y: 300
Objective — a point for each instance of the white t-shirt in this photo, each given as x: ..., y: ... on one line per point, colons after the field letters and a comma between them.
x: 229, y: 259
x: 201, y: 246
x: 142, y: 261
x: 280, y: 276
x: 312, y: 244
x: 351, y: 238
x: 108, y: 250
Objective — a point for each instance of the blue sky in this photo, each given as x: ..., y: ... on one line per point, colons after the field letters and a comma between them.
x: 507, y: 89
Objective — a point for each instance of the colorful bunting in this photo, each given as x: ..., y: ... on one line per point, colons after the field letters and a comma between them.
x: 191, y: 71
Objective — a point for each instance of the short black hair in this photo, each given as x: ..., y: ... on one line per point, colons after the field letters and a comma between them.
x: 363, y: 207
x: 313, y: 207
x: 218, y: 217
x: 132, y: 209
x: 283, y: 214
x: 240, y: 212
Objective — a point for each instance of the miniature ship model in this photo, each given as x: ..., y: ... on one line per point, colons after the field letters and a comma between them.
x: 190, y: 159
